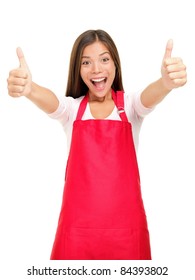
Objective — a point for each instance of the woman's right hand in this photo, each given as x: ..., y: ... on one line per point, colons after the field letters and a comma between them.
x: 19, y: 82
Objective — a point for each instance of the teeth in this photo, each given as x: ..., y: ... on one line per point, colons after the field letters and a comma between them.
x: 98, y: 80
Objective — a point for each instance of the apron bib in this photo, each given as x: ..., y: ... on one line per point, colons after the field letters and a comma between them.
x: 102, y: 215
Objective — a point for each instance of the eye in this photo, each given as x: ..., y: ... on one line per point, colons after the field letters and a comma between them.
x: 105, y: 59
x: 85, y: 62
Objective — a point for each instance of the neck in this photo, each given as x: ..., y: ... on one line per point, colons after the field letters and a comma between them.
x: 93, y: 98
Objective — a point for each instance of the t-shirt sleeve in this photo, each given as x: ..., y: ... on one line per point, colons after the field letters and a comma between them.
x: 64, y: 109
x: 139, y: 108
x: 67, y: 110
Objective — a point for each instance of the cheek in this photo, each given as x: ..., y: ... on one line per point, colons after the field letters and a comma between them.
x: 83, y: 76
x: 113, y: 73
x: 113, y: 69
x: 84, y: 73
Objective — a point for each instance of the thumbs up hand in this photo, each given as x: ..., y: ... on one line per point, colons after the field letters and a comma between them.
x: 173, y: 70
x: 19, y: 82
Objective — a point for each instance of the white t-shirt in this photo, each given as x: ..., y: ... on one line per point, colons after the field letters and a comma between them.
x: 67, y: 111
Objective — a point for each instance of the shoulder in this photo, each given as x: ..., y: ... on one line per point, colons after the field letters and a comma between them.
x: 67, y: 105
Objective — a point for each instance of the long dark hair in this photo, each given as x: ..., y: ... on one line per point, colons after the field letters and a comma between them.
x: 75, y: 85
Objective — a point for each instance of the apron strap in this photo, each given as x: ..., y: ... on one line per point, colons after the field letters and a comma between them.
x: 82, y: 107
x: 118, y: 98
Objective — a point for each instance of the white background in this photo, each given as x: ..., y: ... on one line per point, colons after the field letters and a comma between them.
x: 33, y: 147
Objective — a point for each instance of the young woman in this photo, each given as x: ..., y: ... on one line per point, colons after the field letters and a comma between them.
x: 102, y: 215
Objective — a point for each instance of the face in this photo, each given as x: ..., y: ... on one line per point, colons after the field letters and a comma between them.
x: 97, y: 70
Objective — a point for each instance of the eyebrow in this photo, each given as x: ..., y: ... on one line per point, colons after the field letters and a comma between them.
x: 85, y: 56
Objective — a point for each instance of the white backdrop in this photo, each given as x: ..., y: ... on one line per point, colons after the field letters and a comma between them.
x: 33, y: 147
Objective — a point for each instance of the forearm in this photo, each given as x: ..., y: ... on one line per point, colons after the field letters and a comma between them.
x: 43, y: 98
x: 154, y: 94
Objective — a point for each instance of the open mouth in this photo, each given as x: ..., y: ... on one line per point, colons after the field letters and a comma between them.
x: 99, y: 83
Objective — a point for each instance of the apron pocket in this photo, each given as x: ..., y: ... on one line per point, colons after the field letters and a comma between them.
x: 103, y: 244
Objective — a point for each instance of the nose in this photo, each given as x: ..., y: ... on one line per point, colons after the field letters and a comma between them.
x: 96, y: 67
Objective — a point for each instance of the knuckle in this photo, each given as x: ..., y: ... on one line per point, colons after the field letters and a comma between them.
x: 20, y: 89
x: 169, y: 68
x: 17, y: 89
x: 21, y: 82
x: 172, y: 76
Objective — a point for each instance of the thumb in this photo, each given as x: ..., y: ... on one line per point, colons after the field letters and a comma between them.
x: 21, y: 58
x: 169, y: 48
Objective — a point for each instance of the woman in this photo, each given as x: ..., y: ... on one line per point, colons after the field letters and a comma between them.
x: 102, y: 214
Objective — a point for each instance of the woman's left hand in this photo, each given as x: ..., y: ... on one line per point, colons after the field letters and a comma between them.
x: 173, y: 69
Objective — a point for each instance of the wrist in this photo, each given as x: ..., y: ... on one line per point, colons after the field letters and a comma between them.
x: 165, y: 87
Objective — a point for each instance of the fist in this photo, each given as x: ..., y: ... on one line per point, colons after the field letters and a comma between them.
x: 19, y: 82
x: 173, y: 70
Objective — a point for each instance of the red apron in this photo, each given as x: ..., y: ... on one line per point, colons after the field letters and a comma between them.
x: 102, y: 215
